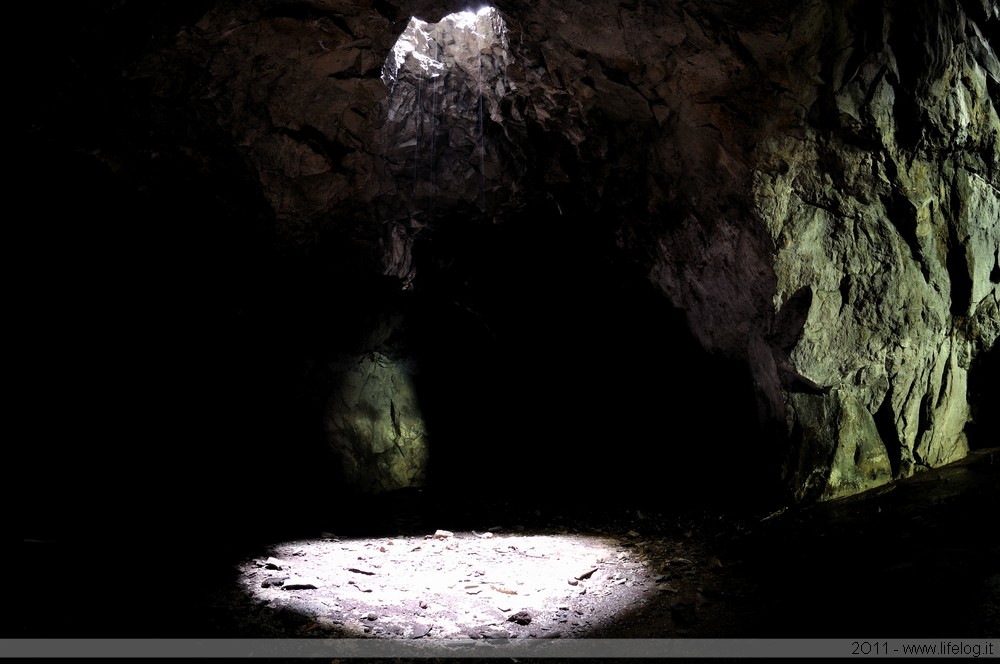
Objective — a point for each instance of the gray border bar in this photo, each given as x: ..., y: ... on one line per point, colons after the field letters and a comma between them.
x: 490, y: 648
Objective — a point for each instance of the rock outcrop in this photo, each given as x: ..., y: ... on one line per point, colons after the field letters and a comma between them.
x: 816, y: 185
x: 884, y: 212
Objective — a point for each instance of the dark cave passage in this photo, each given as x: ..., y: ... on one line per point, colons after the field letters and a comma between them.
x: 551, y: 370
x: 984, y: 395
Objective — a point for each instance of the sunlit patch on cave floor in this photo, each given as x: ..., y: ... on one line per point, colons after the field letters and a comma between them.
x: 450, y: 585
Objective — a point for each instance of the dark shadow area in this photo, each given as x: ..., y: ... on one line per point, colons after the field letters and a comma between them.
x: 923, y: 546
x: 171, y: 360
x: 984, y: 395
x: 158, y: 353
x: 886, y: 426
x: 551, y: 370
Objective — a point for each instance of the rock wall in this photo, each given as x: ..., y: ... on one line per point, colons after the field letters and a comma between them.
x: 883, y: 208
x: 814, y: 184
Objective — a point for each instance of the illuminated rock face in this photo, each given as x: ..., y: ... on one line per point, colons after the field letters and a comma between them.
x: 375, y: 427
x: 445, y: 82
x: 884, y: 211
x: 814, y: 184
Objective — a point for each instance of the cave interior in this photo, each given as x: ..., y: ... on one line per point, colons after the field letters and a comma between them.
x: 173, y: 344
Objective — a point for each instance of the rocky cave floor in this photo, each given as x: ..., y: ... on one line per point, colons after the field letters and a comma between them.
x: 919, y: 558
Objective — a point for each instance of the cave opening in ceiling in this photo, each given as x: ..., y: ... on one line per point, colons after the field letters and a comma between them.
x: 445, y: 81
x: 533, y: 333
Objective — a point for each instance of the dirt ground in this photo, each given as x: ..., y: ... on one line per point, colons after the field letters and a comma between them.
x: 498, y: 583
x: 919, y: 558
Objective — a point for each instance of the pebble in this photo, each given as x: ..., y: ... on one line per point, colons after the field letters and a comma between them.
x: 521, y: 618
x: 273, y: 581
